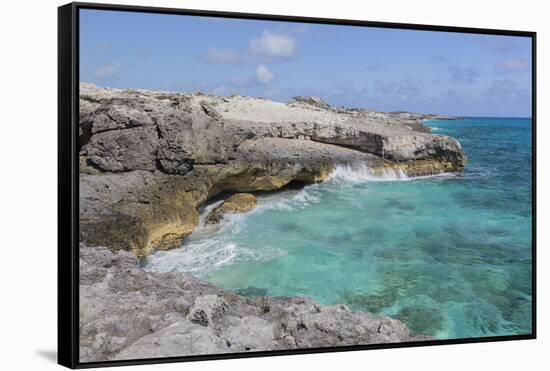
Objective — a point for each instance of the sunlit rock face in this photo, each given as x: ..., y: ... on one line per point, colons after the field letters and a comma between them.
x: 149, y: 159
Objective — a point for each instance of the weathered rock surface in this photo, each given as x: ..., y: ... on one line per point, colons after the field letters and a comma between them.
x: 128, y: 313
x: 149, y: 159
x: 177, y: 130
x: 238, y: 203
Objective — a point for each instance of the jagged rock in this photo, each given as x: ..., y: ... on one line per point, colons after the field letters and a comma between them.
x: 206, y: 309
x: 183, y: 305
x: 150, y: 159
x: 174, y: 341
x: 193, y: 128
x: 123, y: 130
x: 238, y: 203
x: 128, y: 313
x: 251, y: 333
x: 124, y: 150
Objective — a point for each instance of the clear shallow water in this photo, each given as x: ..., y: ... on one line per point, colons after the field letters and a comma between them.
x: 450, y: 256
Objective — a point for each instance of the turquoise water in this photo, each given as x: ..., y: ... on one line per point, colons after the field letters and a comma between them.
x: 450, y: 256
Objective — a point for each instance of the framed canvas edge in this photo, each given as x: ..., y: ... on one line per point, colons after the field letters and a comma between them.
x: 68, y: 183
x: 67, y: 188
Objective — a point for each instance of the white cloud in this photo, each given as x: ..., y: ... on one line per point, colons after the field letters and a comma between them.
x: 223, y: 56
x: 512, y: 65
x: 271, y: 45
x: 264, y: 75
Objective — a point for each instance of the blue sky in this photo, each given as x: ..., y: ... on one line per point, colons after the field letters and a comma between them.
x: 383, y: 69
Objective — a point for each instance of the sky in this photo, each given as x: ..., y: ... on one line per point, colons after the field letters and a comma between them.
x: 362, y: 67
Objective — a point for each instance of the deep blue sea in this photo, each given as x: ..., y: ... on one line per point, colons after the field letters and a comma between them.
x: 449, y: 255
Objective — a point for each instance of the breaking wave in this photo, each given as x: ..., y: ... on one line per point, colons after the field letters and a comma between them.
x: 289, y: 199
x: 210, y: 248
x: 362, y: 173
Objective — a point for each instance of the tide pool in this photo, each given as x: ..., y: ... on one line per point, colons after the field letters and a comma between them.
x: 448, y: 255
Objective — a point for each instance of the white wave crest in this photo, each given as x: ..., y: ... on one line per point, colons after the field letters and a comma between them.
x: 206, y: 256
x: 289, y: 200
x: 196, y: 257
x: 210, y: 248
x: 362, y: 173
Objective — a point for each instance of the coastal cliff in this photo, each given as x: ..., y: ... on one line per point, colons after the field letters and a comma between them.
x: 149, y: 160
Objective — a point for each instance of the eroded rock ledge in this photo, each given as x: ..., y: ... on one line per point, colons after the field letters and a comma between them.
x: 150, y: 159
x: 127, y: 313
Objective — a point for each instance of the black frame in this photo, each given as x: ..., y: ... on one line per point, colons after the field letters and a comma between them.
x: 68, y: 181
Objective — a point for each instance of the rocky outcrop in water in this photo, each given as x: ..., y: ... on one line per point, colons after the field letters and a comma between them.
x: 238, y: 203
x: 149, y: 159
x: 128, y: 313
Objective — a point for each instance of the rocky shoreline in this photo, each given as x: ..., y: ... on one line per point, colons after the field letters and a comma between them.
x: 128, y: 313
x: 149, y: 160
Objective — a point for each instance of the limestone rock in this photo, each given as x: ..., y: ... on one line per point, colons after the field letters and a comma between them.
x: 251, y: 333
x: 124, y: 150
x: 312, y: 101
x: 149, y: 159
x: 238, y: 203
x: 123, y: 130
x: 206, y: 309
x: 128, y: 313
x: 178, y: 130
x: 174, y: 341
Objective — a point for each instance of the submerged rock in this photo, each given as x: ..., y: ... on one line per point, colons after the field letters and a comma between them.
x: 370, y: 302
x: 422, y: 319
x: 128, y: 313
x: 238, y: 203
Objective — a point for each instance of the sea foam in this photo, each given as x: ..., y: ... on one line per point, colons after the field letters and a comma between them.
x: 363, y: 173
x: 212, y: 247
x: 289, y: 200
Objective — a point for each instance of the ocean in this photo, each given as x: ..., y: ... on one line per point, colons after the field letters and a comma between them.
x: 449, y: 255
